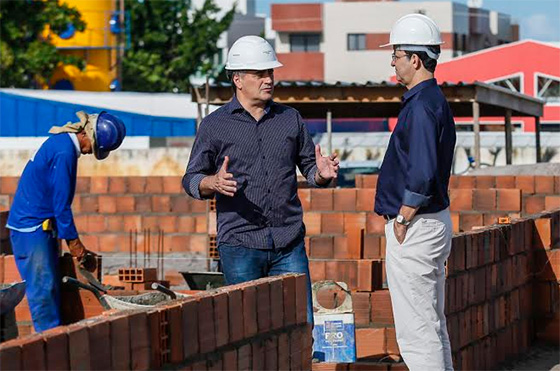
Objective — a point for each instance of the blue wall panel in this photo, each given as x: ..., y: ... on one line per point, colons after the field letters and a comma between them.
x: 25, y: 116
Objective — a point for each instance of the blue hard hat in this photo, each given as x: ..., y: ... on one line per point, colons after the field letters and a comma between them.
x: 109, y: 134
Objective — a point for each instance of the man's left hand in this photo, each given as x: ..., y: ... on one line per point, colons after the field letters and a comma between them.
x: 327, y: 167
x: 400, y: 231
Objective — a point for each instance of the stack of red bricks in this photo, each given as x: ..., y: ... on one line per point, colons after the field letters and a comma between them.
x: 256, y: 325
x: 107, y: 209
x: 546, y: 288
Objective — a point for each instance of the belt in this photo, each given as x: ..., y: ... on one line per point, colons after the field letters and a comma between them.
x: 389, y: 217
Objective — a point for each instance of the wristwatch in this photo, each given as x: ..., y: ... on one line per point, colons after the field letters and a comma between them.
x: 402, y: 220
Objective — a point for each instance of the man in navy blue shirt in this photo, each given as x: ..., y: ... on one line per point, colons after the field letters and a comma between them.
x: 412, y: 195
x: 42, y: 209
x: 245, y: 154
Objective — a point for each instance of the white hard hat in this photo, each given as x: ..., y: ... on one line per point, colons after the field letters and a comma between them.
x: 413, y: 32
x: 251, y: 53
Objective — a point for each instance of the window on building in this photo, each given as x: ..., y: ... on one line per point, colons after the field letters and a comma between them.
x: 512, y: 83
x: 548, y: 88
x: 356, y: 41
x: 305, y: 42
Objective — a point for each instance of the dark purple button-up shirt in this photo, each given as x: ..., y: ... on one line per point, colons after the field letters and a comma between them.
x: 265, y: 212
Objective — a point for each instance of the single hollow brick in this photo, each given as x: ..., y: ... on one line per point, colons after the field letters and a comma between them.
x: 120, y: 344
x: 461, y: 199
x: 117, y: 185
x: 221, y: 318
x: 258, y: 354
x: 8, y: 185
x: 485, y: 181
x: 175, y: 318
x: 99, y: 184
x: 263, y: 306
x: 301, y: 298
x: 551, y: 202
x: 508, y: 200
x: 82, y: 184
x: 100, y: 344
x: 332, y: 223
x: 466, y: 182
x: 276, y: 303
x: 271, y: 353
x: 244, y: 357
x: 140, y: 346
x: 534, y: 204
x: 79, y: 350
x: 484, y: 199
x: 11, y: 355
x: 136, y: 184
x: 190, y: 327
x: 180, y: 204
x: 322, y: 199
x: 125, y: 204
x: 321, y: 247
x: 107, y: 204
x: 161, y: 204
x: 375, y: 224
x: 283, y: 351
x: 365, y: 200
x: 304, y: 195
x: 381, y: 310
x: 344, y: 199
x: 154, y: 184
x: 312, y: 222
x: 526, y: 183
x: 369, y: 181
x: 544, y: 184
x: 316, y: 270
x: 250, y: 325
x: 289, y: 291
x: 370, y: 342
x: 172, y: 184
x: 341, y: 247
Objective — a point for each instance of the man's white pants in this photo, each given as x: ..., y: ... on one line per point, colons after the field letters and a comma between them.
x: 416, y: 279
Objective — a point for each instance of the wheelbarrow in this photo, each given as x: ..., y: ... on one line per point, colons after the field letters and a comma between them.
x: 141, y: 301
x: 10, y: 296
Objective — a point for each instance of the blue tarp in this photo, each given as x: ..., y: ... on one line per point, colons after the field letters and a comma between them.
x: 22, y: 116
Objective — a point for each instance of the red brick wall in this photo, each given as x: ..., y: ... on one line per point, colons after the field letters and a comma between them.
x: 247, y: 326
x: 107, y: 209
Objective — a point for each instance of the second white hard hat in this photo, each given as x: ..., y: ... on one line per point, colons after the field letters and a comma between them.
x: 414, y: 29
x: 251, y: 53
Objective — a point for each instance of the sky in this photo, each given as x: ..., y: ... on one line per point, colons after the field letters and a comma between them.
x: 538, y: 19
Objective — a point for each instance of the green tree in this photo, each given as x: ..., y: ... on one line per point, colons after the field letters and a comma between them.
x: 27, y: 58
x: 170, y: 42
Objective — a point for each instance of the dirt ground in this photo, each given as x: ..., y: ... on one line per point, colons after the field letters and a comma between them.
x: 540, y: 357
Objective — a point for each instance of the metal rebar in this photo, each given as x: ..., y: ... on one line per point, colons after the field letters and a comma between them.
x: 135, y: 248
x: 130, y: 247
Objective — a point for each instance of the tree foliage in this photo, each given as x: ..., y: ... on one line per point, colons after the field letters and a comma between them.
x: 28, y: 58
x: 170, y: 42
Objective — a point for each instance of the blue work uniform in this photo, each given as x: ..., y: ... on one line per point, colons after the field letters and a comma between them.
x: 45, y: 191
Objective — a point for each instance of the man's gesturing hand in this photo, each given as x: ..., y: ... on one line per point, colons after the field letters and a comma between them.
x: 327, y: 167
x: 224, y: 182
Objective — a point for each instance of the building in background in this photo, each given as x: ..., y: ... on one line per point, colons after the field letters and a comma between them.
x: 339, y: 41
x: 97, y: 45
x: 528, y: 67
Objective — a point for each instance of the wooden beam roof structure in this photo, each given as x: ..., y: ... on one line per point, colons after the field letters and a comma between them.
x: 383, y: 100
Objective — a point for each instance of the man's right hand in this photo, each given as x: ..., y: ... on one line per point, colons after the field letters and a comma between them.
x: 77, y: 248
x: 222, y: 182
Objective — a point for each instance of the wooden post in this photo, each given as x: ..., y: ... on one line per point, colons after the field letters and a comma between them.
x: 476, y: 129
x: 538, y: 137
x: 508, y: 130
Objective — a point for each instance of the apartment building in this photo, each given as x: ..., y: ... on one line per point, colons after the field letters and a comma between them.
x: 339, y: 41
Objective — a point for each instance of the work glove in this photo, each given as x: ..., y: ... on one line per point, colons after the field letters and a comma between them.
x: 86, y: 258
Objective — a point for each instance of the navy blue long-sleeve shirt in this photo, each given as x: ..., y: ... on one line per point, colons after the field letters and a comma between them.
x: 265, y: 212
x: 417, y: 165
x: 46, y: 188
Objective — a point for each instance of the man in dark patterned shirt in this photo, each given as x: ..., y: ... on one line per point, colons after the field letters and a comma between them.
x: 245, y: 154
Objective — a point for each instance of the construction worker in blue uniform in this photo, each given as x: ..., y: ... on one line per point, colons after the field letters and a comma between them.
x: 41, y: 211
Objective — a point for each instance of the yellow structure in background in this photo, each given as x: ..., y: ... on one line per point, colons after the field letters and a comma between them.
x: 97, y: 45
